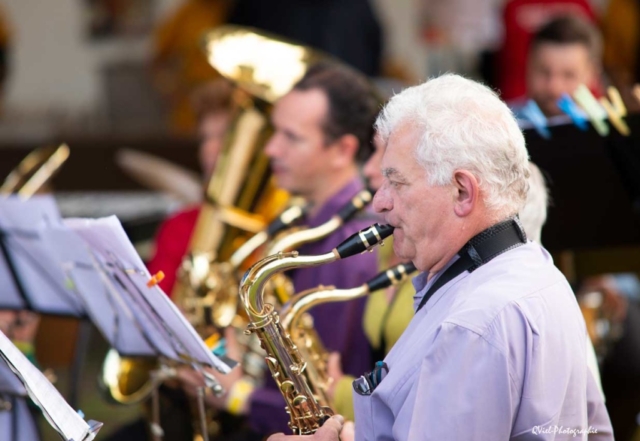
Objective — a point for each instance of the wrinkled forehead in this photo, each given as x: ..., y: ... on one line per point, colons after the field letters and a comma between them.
x: 399, y: 155
x: 403, y: 139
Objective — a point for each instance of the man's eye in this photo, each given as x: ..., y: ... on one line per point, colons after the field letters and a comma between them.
x: 292, y: 137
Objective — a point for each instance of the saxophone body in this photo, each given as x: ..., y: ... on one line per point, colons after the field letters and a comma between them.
x: 283, y: 357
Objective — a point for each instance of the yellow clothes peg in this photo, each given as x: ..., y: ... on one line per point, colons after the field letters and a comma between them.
x: 616, y: 110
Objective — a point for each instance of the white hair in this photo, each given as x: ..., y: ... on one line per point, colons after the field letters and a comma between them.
x: 534, y: 213
x: 466, y: 126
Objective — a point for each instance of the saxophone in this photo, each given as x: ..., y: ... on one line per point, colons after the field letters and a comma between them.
x: 298, y: 324
x: 283, y: 357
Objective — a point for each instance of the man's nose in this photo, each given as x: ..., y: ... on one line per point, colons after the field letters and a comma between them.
x: 557, y: 86
x: 272, y: 149
x: 381, y: 201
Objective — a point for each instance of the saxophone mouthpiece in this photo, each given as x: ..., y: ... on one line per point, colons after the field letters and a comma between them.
x: 363, y: 240
x: 392, y: 276
x: 286, y: 219
x: 356, y: 204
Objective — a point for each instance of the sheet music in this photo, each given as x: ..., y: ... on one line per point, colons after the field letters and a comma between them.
x: 165, y: 324
x: 59, y: 414
x: 104, y: 304
x: 36, y: 212
x: 192, y: 342
x: 105, y: 248
x: 24, y: 225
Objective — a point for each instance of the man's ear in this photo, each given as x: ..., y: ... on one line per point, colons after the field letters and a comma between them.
x: 346, y: 148
x: 467, y: 188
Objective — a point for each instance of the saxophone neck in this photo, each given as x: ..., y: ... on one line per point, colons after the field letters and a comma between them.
x: 302, y: 236
x: 301, y: 303
x: 282, y: 222
x: 291, y: 313
x: 246, y: 249
x: 256, y: 278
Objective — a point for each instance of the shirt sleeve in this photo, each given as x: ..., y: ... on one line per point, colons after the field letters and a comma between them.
x: 464, y: 390
x: 600, y: 428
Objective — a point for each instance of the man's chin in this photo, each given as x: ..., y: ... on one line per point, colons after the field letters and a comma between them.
x: 399, y: 251
x: 282, y: 183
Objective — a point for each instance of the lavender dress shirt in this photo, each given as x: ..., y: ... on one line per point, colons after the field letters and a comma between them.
x: 496, y: 354
x: 338, y: 324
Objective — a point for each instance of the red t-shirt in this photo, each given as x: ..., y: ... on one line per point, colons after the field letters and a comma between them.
x: 522, y: 19
x: 172, y: 243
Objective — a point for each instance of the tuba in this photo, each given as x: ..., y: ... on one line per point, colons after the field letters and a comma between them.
x: 298, y: 324
x: 283, y: 357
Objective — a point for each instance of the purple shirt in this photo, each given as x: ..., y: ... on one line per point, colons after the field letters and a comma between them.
x: 496, y: 354
x: 339, y: 324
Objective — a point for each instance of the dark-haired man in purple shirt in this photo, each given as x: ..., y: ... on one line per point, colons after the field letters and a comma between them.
x: 323, y: 130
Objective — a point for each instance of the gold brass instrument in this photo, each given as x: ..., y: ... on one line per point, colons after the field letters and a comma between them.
x: 283, y: 357
x: 129, y: 380
x: 34, y: 171
x: 262, y: 64
x: 223, y: 277
x: 298, y: 323
x: 239, y: 187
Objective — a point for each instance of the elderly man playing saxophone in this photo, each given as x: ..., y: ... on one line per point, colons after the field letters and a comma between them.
x: 496, y: 348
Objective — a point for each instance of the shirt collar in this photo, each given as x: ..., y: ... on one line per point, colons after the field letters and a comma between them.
x: 335, y: 203
x: 422, y: 285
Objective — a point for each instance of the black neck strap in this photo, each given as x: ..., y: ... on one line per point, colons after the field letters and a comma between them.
x: 483, y: 247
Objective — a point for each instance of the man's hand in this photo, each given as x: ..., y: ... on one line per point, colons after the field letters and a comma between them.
x: 192, y: 380
x: 334, y: 429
